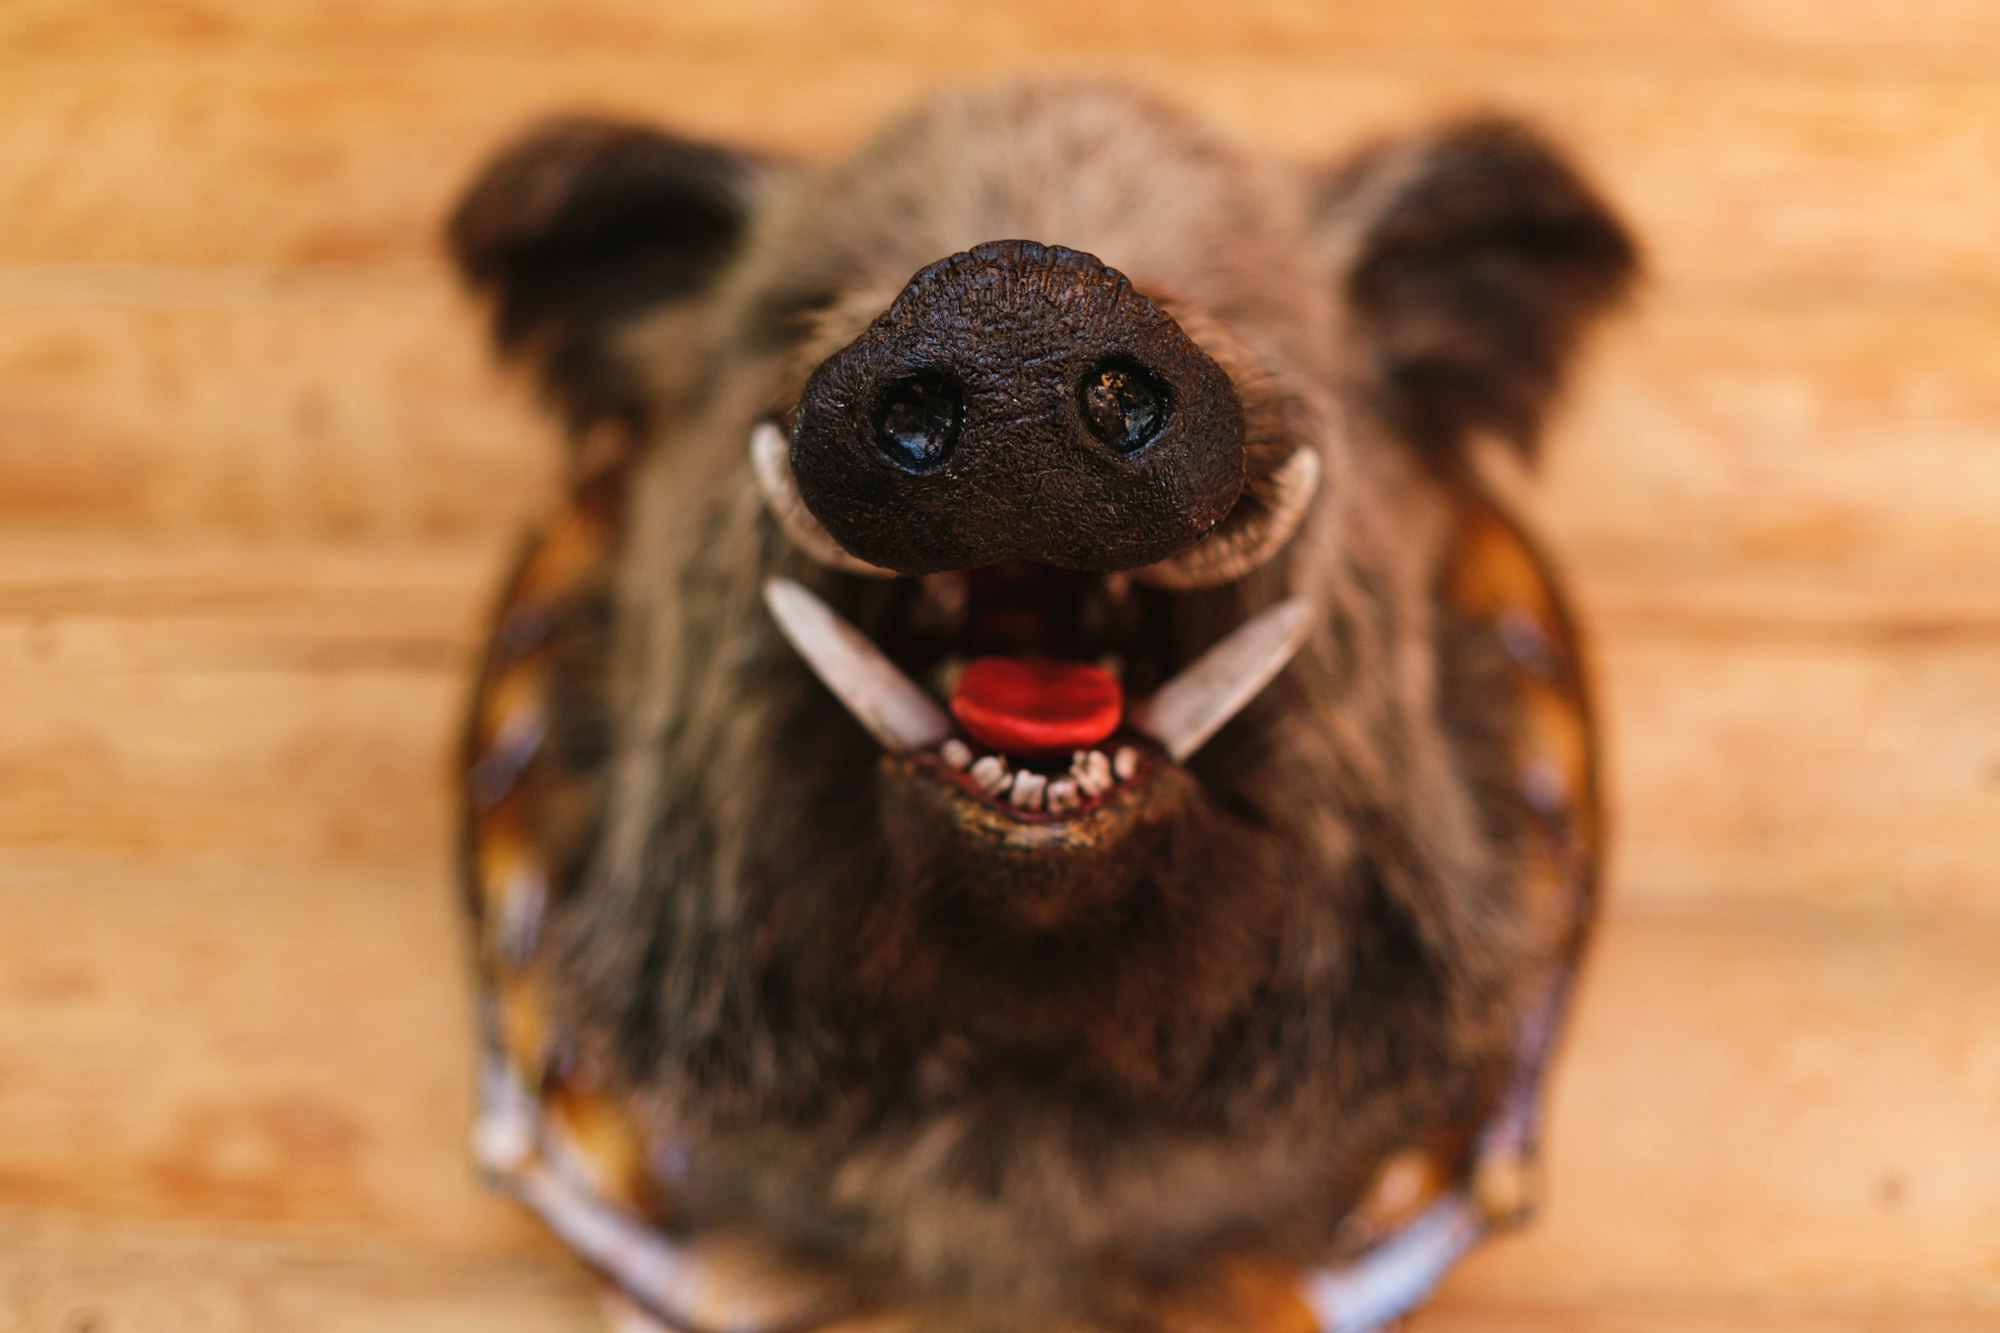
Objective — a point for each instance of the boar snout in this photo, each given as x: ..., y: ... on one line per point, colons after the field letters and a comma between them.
x: 1019, y: 401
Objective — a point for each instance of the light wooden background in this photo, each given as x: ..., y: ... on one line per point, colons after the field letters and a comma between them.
x: 256, y: 480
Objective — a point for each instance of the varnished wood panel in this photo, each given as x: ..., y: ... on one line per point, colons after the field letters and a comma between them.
x: 57, y: 1280
x: 266, y: 408
x: 309, y: 157
x: 67, y: 1279
x: 257, y: 479
x: 1808, y: 772
x: 258, y: 1051
x: 1748, y: 36
x: 1757, y: 1103
x: 1837, y: 440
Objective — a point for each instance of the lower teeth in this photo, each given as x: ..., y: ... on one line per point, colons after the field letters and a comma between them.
x: 1091, y: 774
x: 1062, y: 797
x: 990, y: 773
x: 1028, y: 789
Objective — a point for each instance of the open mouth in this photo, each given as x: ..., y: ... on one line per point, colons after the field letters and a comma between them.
x: 1039, y: 693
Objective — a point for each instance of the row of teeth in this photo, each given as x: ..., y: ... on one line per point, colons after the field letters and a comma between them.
x: 1091, y: 774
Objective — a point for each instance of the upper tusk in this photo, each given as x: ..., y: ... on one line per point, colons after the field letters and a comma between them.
x: 884, y: 700
x: 1182, y: 714
x: 1228, y: 554
x: 770, y: 459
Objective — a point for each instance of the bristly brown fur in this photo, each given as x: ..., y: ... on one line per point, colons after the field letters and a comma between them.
x: 1482, y: 257
x: 583, y: 225
x: 1315, y: 955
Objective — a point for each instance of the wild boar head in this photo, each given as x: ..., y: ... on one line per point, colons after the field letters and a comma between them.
x: 1046, y: 824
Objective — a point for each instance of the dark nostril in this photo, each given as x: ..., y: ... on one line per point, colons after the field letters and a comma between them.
x: 919, y: 421
x: 1124, y: 404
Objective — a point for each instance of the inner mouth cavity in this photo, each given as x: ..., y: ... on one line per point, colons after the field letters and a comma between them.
x: 1044, y: 690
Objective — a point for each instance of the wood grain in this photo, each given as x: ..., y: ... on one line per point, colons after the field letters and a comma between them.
x: 1961, y: 35
x: 1773, y: 1102
x: 1744, y: 183
x: 257, y: 479
x: 249, y: 1051
x: 262, y: 406
x: 127, y: 1279
x: 246, y: 763
x: 66, y: 1280
x: 1832, y: 439
x: 1806, y: 771
x: 1670, y: 1317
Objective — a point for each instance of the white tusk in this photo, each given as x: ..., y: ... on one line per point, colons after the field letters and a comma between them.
x: 1226, y: 554
x: 1182, y: 714
x: 770, y: 459
x: 882, y: 699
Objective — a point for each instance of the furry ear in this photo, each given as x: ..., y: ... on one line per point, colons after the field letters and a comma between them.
x: 582, y: 224
x: 1475, y: 257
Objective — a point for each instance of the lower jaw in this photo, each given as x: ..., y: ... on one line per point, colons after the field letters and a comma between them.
x: 1036, y: 871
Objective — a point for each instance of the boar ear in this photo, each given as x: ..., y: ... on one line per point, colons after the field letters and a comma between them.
x: 581, y: 225
x: 1474, y: 259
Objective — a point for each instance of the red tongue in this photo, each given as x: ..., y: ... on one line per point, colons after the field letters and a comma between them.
x: 1036, y: 708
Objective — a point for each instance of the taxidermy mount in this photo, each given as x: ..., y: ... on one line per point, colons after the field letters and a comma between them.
x: 1032, y: 782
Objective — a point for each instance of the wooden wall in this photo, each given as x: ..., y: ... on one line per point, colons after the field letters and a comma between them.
x: 256, y: 479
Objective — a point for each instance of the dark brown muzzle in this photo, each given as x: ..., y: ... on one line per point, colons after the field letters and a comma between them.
x: 1019, y: 401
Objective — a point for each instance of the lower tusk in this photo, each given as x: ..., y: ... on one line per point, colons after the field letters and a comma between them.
x: 884, y: 700
x: 770, y: 459
x: 1182, y: 714
x: 1226, y: 554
